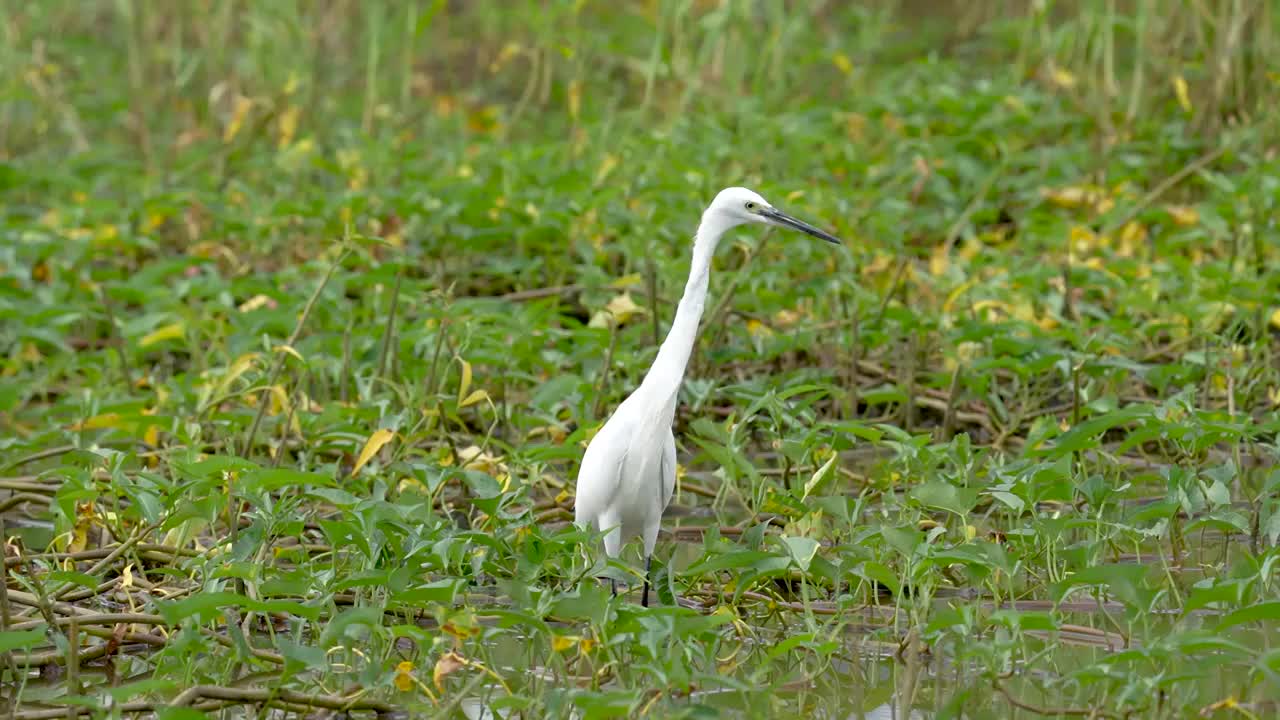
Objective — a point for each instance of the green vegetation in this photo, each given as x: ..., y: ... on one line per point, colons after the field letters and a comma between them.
x: 307, y: 311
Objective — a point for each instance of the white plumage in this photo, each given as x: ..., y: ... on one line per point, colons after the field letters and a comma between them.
x: 628, y: 472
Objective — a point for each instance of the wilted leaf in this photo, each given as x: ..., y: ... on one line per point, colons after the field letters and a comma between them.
x: 476, y: 396
x: 1183, y: 215
x: 1180, y: 89
x: 173, y: 331
x: 371, y: 447
x: 818, y: 477
x: 620, y: 309
x: 464, y: 385
x: 448, y: 664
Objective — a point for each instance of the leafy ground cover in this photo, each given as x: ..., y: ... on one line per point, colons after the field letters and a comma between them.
x: 309, y: 310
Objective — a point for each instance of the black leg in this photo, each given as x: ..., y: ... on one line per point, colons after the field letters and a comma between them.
x: 644, y: 598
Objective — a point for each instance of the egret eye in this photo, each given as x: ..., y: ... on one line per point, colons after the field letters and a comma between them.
x: 751, y: 206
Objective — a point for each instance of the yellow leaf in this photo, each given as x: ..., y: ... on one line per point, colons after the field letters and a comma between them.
x: 172, y: 331
x: 475, y: 397
x: 1073, y: 196
x: 575, y: 98
x: 448, y: 664
x: 842, y: 63
x: 939, y: 261
x: 375, y: 443
x: 238, y: 368
x: 279, y: 400
x: 1180, y: 88
x: 255, y: 302
x: 289, y: 350
x: 465, y: 384
x: 80, y: 540
x: 1132, y: 235
x: 404, y: 676
x: 239, y: 111
x: 288, y: 125
x: 626, y: 281
x: 1083, y: 240
x: 755, y: 328
x: 473, y: 458
x: 1183, y: 215
x: 126, y: 577
x: 607, y: 165
x: 1062, y: 78
x: 1275, y: 318
x: 620, y: 309
x: 100, y: 422
x: 785, y: 318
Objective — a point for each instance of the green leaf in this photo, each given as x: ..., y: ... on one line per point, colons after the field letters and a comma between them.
x: 730, y: 560
x: 150, y: 686
x: 789, y: 644
x: 1124, y: 581
x: 339, y: 628
x: 875, y: 572
x: 440, y: 592
x: 802, y: 550
x: 206, y: 606
x: 1265, y: 611
x: 179, y: 713
x: 299, y: 657
x: 21, y: 639
x: 904, y: 540
x: 84, y: 580
x: 818, y: 477
x: 276, y: 478
x: 1086, y: 434
x: 945, y: 496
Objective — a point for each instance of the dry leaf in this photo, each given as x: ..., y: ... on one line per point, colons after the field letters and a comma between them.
x: 371, y: 447
x: 620, y: 309
x: 1183, y: 215
x: 257, y: 301
x: 239, y: 111
x: 1180, y: 89
x: 472, y: 458
x: 448, y: 664
x: 172, y: 331
x: 475, y: 397
x: 464, y: 385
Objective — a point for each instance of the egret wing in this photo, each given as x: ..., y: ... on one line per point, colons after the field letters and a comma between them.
x: 668, y: 469
x: 599, y: 476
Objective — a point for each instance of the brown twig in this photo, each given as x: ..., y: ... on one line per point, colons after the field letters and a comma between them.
x: 1038, y: 710
x: 116, y: 552
x: 270, y: 695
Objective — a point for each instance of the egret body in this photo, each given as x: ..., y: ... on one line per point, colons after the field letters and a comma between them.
x: 628, y: 472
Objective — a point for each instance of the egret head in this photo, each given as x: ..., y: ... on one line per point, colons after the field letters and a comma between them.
x: 738, y: 206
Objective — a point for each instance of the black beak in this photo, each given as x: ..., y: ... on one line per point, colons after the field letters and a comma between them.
x: 777, y: 217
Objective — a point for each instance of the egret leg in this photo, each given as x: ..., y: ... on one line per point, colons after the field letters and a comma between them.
x: 644, y: 597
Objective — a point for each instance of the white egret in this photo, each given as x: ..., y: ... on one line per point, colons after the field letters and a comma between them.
x: 628, y: 472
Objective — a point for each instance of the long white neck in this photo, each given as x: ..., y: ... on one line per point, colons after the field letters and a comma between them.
x: 667, y: 372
